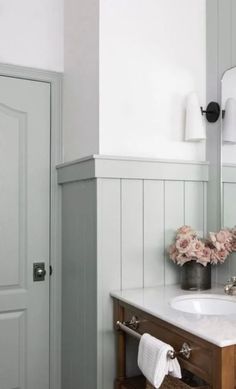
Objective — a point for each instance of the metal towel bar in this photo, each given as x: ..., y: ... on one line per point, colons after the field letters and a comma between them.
x: 172, y: 354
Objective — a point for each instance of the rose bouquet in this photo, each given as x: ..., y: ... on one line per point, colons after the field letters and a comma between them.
x: 213, y: 250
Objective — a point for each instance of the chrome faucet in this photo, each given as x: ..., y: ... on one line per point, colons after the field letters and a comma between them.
x: 230, y: 287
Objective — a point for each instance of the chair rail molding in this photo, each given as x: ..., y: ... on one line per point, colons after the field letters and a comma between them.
x: 99, y: 166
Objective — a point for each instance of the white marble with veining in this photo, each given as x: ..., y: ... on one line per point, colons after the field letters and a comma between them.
x: 217, y: 329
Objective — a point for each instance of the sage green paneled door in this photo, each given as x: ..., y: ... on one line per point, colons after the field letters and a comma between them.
x: 24, y: 233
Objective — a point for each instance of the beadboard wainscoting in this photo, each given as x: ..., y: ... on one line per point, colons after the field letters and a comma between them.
x: 228, y: 269
x: 79, y: 285
x: 137, y: 220
x: 118, y: 217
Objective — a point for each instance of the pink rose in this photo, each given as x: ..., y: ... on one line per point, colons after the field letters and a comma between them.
x: 206, y: 252
x: 173, y: 252
x: 222, y: 236
x: 218, y: 256
x: 182, y: 259
x: 199, y: 246
x: 233, y: 245
x: 223, y: 254
x: 183, y: 245
x: 195, y: 249
x: 185, y: 230
x: 212, y: 237
x: 228, y: 246
x: 233, y: 232
x: 205, y: 257
x: 233, y: 239
x: 214, y: 257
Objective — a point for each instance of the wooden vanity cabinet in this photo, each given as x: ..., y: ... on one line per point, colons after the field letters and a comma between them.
x: 215, y: 365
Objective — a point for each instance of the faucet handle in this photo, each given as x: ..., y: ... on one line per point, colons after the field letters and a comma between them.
x: 233, y: 279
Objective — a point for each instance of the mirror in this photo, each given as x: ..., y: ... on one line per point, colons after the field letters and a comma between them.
x: 228, y: 129
x: 228, y: 133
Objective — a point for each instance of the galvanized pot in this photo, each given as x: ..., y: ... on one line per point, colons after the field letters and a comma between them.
x: 195, y: 276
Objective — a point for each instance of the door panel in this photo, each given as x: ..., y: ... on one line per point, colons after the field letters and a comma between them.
x: 12, y: 193
x: 24, y: 232
x: 12, y: 347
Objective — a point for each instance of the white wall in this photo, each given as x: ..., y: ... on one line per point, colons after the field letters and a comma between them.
x: 31, y: 33
x: 81, y: 80
x: 152, y: 53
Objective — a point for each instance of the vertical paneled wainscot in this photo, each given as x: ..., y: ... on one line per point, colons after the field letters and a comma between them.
x: 118, y: 217
x: 228, y: 269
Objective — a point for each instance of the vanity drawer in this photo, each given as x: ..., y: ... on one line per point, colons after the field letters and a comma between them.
x: 200, y: 361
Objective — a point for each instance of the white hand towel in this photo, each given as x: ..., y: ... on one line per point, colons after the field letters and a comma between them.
x: 154, y: 362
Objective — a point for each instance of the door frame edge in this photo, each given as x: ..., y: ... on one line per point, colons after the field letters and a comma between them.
x: 56, y: 149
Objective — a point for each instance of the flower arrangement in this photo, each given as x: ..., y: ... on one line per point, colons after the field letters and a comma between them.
x: 213, y: 250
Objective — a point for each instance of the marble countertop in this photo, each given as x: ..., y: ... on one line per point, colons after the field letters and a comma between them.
x: 217, y: 329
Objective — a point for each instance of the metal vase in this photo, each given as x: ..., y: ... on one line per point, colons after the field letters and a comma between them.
x: 195, y: 276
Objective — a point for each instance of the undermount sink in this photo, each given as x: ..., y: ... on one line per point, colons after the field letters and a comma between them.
x: 205, y: 304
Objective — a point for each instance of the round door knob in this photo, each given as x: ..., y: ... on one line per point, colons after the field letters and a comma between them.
x: 41, y: 272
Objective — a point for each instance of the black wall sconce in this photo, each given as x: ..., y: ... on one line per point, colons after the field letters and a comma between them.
x: 212, y: 112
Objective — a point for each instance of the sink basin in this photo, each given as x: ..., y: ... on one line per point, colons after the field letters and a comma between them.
x: 205, y: 304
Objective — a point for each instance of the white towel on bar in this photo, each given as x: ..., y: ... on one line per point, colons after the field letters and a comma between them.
x: 154, y: 362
